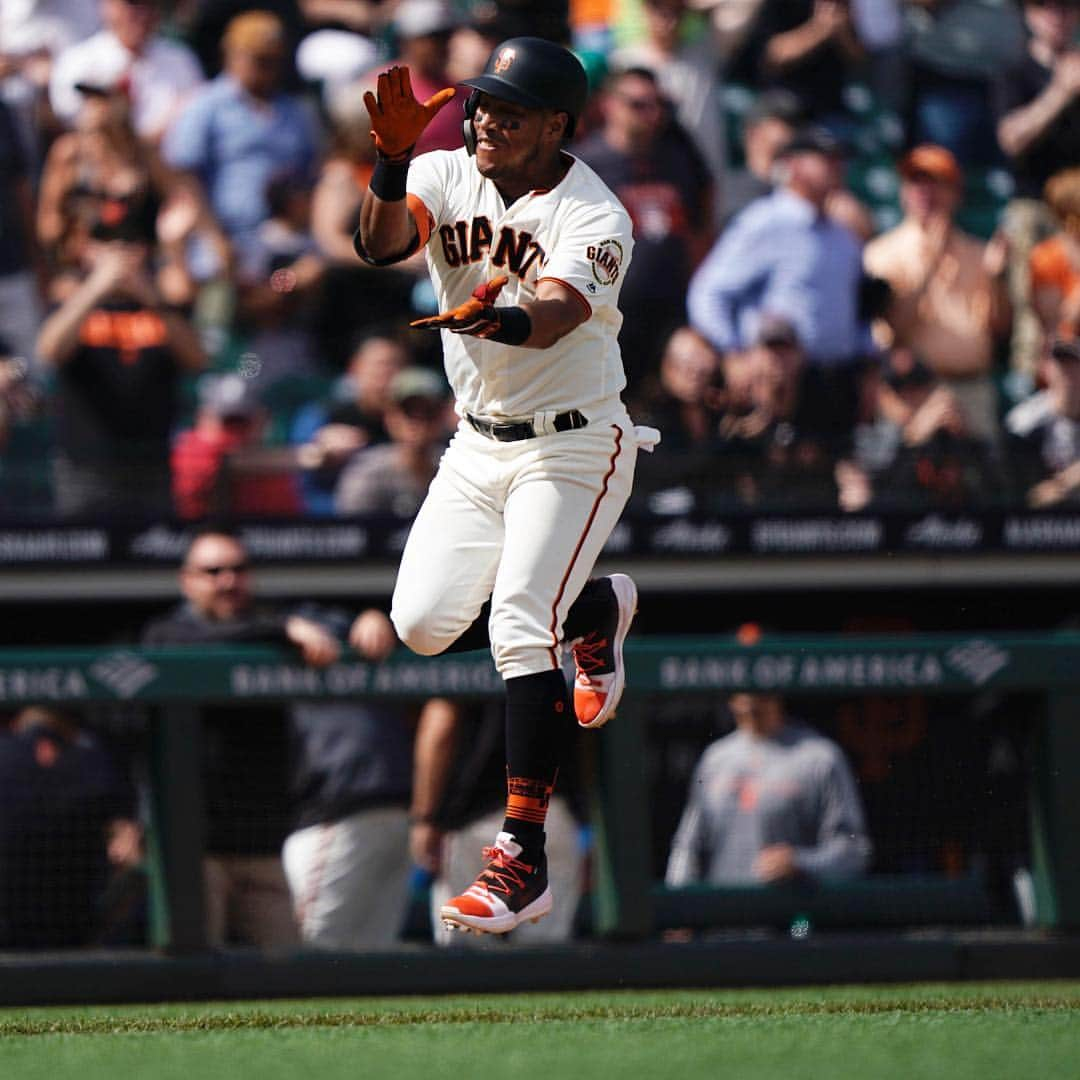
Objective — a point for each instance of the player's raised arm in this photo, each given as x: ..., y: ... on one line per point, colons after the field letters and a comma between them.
x: 387, y: 231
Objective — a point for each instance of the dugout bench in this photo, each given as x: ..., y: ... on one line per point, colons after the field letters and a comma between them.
x: 626, y: 903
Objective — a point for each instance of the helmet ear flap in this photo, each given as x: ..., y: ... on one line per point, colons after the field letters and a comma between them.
x: 469, y: 130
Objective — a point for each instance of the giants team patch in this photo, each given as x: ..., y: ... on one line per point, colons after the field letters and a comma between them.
x: 504, y: 60
x: 606, y: 259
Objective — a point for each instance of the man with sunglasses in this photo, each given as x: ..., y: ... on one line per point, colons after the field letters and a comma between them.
x: 249, y: 768
x: 527, y: 250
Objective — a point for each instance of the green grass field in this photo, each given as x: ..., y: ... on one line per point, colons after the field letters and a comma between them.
x: 960, y: 1031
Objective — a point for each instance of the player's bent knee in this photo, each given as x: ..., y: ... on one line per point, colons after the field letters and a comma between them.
x: 418, y: 633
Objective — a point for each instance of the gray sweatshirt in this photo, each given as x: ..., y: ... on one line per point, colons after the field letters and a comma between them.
x: 750, y: 792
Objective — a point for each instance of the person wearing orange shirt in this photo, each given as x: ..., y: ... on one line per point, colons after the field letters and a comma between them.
x: 1055, y: 263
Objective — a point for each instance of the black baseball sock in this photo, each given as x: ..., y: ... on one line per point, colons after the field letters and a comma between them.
x: 589, y: 610
x: 539, y: 721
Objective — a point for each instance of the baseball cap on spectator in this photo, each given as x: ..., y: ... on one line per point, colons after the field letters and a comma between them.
x: 777, y: 330
x: 421, y: 18
x: 417, y: 383
x: 100, y: 86
x: 814, y: 140
x: 228, y: 397
x: 934, y: 162
x: 255, y: 32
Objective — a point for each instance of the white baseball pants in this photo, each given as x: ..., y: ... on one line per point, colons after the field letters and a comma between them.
x: 522, y: 522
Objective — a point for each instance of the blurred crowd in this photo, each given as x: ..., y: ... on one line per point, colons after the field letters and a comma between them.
x: 855, y: 285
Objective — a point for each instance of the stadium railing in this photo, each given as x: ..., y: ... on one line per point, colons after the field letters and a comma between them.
x: 627, y: 904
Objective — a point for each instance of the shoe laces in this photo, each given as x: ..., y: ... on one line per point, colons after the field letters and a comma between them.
x: 503, y: 872
x: 587, y: 653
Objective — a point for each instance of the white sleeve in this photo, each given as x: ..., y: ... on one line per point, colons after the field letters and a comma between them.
x: 592, y: 254
x: 430, y: 177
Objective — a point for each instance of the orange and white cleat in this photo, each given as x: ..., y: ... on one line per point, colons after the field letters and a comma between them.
x: 507, y: 893
x: 600, y: 676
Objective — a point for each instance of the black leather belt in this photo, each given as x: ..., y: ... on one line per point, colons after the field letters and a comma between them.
x: 514, y: 431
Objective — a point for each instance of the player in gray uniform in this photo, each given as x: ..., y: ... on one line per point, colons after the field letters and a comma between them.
x: 527, y: 249
x: 772, y: 800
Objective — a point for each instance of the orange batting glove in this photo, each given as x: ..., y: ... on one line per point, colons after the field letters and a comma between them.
x: 477, y: 316
x: 397, y: 118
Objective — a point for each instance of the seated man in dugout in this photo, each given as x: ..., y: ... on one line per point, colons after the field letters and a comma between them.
x: 770, y: 802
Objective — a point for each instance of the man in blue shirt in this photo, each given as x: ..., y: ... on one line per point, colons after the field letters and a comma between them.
x: 241, y: 130
x: 784, y: 256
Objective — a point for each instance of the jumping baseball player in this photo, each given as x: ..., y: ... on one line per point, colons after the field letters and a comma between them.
x: 527, y: 250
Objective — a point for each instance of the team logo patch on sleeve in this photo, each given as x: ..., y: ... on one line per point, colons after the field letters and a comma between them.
x: 606, y: 260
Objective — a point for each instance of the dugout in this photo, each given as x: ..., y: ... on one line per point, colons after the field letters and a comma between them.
x: 928, y: 924
x: 972, y: 636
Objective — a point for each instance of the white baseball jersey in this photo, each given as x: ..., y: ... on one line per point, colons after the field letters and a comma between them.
x: 577, y: 233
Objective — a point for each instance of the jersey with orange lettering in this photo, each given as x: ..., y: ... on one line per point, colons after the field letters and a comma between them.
x: 576, y: 233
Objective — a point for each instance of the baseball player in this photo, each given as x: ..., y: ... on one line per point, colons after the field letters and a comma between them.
x: 526, y: 249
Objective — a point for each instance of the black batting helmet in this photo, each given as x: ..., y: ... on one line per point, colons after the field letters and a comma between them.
x: 532, y: 72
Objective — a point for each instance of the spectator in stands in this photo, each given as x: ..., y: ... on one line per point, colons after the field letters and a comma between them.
x: 1037, y: 103
x: 242, y: 130
x: 422, y: 29
x: 1038, y: 97
x: 102, y: 159
x: 685, y: 401
x: 246, y: 748
x: 458, y: 790
x: 203, y: 24
x: 688, y: 73
x: 279, y: 289
x: 158, y: 73
x: 948, y: 303
x: 956, y: 49
x: 665, y: 185
x: 771, y: 802
x: 782, y: 443
x: 767, y: 128
x: 329, y: 433
x: 347, y: 857
x: 1044, y: 432
x: 119, y: 352
x: 21, y: 270
x: 809, y: 47
x: 921, y: 451
x: 221, y: 466
x: 1055, y: 263
x: 783, y: 255
x: 394, y: 478
x: 67, y: 824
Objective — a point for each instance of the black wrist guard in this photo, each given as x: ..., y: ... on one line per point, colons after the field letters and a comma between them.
x: 388, y: 179
x: 515, y: 326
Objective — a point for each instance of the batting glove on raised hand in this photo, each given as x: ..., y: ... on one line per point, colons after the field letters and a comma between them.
x: 476, y: 316
x: 397, y: 118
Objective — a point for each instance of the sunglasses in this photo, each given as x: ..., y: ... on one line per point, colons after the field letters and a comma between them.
x: 217, y: 571
x: 639, y: 104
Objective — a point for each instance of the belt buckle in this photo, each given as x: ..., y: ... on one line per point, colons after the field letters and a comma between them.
x: 513, y: 431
